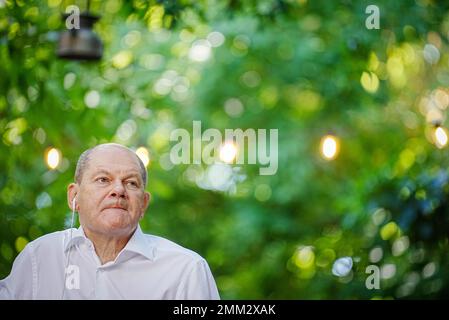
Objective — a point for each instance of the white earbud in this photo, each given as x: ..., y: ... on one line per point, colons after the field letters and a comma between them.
x: 70, y: 239
x: 73, y: 210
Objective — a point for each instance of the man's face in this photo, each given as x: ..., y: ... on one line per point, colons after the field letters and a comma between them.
x: 111, y: 198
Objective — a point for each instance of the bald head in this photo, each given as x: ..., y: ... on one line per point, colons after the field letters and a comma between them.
x: 84, y: 158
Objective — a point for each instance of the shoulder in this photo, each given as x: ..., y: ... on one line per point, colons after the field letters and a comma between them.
x: 168, y: 249
x: 49, y: 240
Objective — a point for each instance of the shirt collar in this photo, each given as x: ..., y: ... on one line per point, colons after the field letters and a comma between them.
x: 138, y: 242
x: 77, y: 236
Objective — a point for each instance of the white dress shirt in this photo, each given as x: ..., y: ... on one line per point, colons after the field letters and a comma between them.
x: 148, y: 267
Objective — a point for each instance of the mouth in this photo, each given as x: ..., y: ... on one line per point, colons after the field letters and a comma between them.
x: 115, y: 208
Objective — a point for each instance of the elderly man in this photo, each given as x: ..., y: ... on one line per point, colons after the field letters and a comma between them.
x: 108, y: 257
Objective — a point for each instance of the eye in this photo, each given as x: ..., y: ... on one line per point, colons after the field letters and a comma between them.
x: 132, y: 183
x: 102, y: 179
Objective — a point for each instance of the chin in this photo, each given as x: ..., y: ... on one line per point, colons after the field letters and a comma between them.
x: 115, y: 225
x: 112, y: 230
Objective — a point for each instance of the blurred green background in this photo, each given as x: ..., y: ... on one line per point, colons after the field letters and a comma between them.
x: 306, y: 68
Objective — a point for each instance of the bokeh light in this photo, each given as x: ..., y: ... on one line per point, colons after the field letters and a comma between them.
x: 144, y: 155
x: 53, y: 158
x: 342, y: 267
x: 200, y: 51
x: 440, y: 135
x: 329, y: 147
x: 228, y: 152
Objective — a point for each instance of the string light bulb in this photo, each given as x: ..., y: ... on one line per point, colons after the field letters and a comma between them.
x: 228, y: 152
x: 329, y: 147
x: 440, y: 137
x: 53, y: 158
x: 143, y: 154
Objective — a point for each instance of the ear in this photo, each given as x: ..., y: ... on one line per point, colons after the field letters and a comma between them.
x: 72, y: 191
x: 146, y: 202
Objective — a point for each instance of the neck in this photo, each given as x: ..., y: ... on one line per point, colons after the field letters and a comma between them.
x: 107, y: 247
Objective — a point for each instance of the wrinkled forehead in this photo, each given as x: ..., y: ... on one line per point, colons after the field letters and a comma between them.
x: 113, y: 158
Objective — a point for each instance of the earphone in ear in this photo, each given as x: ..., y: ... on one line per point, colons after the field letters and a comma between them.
x: 73, y: 210
x: 70, y: 239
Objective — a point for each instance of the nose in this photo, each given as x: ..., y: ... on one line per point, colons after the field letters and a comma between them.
x: 118, y: 191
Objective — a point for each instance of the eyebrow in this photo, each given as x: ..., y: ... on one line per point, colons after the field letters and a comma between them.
x: 103, y: 171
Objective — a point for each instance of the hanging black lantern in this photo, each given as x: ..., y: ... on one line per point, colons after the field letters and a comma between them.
x: 82, y: 43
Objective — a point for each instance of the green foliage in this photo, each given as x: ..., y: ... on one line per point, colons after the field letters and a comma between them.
x: 307, y: 68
